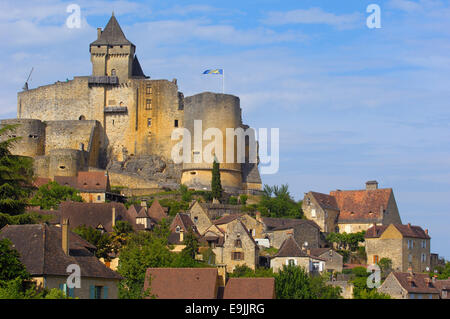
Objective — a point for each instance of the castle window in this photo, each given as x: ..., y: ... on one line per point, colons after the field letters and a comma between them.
x: 113, y: 72
x: 82, y: 118
x: 193, y: 173
x: 62, y: 167
x: 148, y: 104
x: 148, y: 89
x: 238, y: 243
x: 196, y: 219
x: 149, y: 122
x: 176, y: 123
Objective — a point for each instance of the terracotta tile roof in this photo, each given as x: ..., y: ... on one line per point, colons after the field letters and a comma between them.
x: 41, y: 252
x: 415, y: 283
x: 184, y: 221
x: 86, y: 181
x: 39, y: 181
x: 156, y: 211
x: 227, y: 219
x: 443, y: 285
x: 362, y: 205
x: 70, y: 181
x: 182, y: 283
x: 273, y: 224
x: 319, y: 251
x: 325, y: 201
x: 409, y: 231
x: 250, y: 288
x: 94, y: 214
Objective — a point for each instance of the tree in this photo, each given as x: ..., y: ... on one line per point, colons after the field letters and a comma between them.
x: 216, y: 185
x: 385, y: 266
x: 52, y: 194
x: 361, y: 290
x: 191, y: 242
x: 277, y: 202
x: 94, y: 236
x: 10, y: 265
x: 16, y: 173
x: 293, y: 282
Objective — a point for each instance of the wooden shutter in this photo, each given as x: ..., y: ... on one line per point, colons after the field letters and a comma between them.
x: 105, y: 292
x: 91, y: 292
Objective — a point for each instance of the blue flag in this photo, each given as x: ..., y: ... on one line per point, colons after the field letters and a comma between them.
x: 216, y: 71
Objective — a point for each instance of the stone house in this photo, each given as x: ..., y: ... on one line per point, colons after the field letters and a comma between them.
x: 46, y: 251
x: 255, y: 227
x: 407, y: 246
x: 333, y: 260
x: 200, y: 217
x: 291, y: 253
x: 305, y: 232
x: 322, y: 209
x: 179, y: 227
x: 444, y: 288
x: 238, y: 248
x: 409, y: 285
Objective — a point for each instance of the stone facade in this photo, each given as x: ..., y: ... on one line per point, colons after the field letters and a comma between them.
x: 238, y: 249
x: 131, y: 115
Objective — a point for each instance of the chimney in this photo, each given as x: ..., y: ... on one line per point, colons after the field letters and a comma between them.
x: 65, y: 236
x: 144, y: 203
x: 409, y: 225
x: 113, y: 217
x: 371, y: 185
x: 99, y: 33
x: 181, y: 235
x: 222, y: 273
x: 426, y: 231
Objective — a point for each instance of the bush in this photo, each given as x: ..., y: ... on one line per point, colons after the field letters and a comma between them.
x: 232, y: 200
x: 243, y: 198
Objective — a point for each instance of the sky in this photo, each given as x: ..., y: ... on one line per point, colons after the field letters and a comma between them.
x: 352, y: 103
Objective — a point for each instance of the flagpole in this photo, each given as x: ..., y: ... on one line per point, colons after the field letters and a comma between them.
x: 223, y: 81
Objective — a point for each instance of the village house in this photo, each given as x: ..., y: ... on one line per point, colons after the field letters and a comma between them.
x: 94, y: 187
x: 255, y: 227
x: 407, y: 246
x: 203, y: 214
x: 444, y: 288
x: 238, y: 247
x: 179, y: 227
x: 305, y: 232
x: 46, y: 251
x: 352, y: 211
x: 291, y: 253
x: 322, y: 209
x: 409, y: 285
x: 333, y: 260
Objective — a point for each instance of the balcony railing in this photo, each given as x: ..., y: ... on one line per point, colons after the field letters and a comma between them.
x: 103, y: 80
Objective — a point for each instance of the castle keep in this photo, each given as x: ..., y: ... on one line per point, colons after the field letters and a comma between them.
x: 120, y: 120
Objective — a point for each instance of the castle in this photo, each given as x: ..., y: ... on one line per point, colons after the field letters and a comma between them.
x: 120, y: 120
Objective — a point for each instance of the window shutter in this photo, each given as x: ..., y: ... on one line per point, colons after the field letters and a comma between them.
x: 91, y: 292
x: 105, y: 292
x: 242, y: 256
x: 61, y: 287
x: 71, y: 292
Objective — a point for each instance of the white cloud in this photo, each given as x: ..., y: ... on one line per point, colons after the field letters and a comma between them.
x: 315, y: 16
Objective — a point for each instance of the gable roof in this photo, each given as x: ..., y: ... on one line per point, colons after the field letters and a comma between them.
x: 409, y: 231
x: 290, y: 248
x: 274, y: 224
x: 415, y: 283
x: 86, y: 181
x: 39, y: 181
x: 182, y: 283
x: 41, y: 251
x: 443, y: 285
x: 184, y: 221
x: 112, y: 34
x: 362, y: 205
x: 320, y: 251
x: 226, y: 219
x: 156, y: 211
x: 250, y: 288
x: 94, y: 214
x: 325, y: 201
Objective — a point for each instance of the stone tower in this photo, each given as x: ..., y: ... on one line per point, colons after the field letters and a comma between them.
x: 113, y: 55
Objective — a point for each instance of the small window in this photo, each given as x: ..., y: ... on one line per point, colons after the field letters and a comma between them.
x: 237, y: 255
x: 149, y: 122
x: 62, y: 167
x: 238, y: 243
x: 177, y: 229
x: 98, y: 292
x: 175, y: 123
x: 148, y: 89
x: 99, y: 197
x: 291, y: 262
x: 193, y: 173
x: 195, y: 219
x: 424, y: 258
x: 113, y: 72
x: 313, y: 212
x: 148, y: 104
x: 410, y: 258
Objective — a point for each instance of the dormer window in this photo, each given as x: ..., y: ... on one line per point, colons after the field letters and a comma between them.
x: 177, y: 229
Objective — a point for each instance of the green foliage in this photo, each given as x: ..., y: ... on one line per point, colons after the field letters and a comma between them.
x: 361, y: 290
x: 102, y: 241
x: 442, y: 272
x: 245, y: 271
x: 385, y: 265
x: 26, y: 218
x: 174, y: 206
x: 16, y: 173
x: 10, y: 265
x: 243, y: 198
x: 233, y: 200
x: 52, y: 194
x: 216, y: 185
x: 346, y: 241
x: 293, y: 282
x: 277, y: 202
x: 372, y: 294
x: 132, y: 201
x: 191, y: 242
x: 186, y: 194
x: 19, y: 288
x: 56, y: 294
